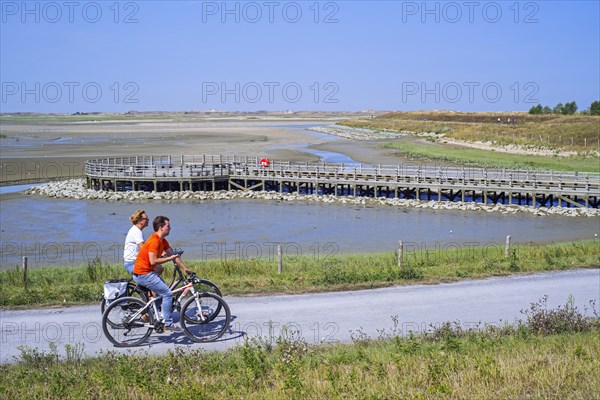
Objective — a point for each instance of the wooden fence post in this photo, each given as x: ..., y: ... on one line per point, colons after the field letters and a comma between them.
x: 507, y: 247
x: 24, y: 271
x: 279, y: 259
x: 400, y: 253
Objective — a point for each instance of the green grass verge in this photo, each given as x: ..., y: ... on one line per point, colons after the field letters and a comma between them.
x: 492, y: 159
x: 510, y: 362
x: 80, y: 285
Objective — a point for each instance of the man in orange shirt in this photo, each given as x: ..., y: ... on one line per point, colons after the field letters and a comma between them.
x: 148, y: 265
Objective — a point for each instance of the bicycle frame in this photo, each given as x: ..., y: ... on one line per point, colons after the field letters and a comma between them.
x: 189, y: 287
x: 177, y: 276
x: 175, y: 281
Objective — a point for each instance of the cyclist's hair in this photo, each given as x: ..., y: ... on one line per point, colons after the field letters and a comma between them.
x: 136, y: 216
x: 159, y: 222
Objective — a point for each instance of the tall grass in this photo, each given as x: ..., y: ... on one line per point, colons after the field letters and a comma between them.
x: 46, y: 286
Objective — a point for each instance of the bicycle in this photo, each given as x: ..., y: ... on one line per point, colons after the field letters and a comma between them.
x: 135, y: 290
x: 204, y: 317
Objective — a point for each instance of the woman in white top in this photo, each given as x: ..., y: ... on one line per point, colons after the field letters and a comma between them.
x: 134, y: 239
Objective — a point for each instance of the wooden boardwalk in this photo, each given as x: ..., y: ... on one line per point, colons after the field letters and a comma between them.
x: 409, y: 180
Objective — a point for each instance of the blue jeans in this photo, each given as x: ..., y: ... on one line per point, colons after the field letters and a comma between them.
x: 129, y: 266
x: 154, y: 282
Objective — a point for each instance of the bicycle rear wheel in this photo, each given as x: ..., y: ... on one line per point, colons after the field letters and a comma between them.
x: 133, y: 290
x: 119, y: 327
x: 205, y: 317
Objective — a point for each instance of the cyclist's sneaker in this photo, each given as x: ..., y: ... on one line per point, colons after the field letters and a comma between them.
x: 173, y: 329
x: 145, y: 318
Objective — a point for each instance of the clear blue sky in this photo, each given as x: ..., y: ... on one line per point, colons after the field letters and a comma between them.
x: 278, y: 55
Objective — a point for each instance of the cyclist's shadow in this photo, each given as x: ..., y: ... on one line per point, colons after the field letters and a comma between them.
x: 182, y: 339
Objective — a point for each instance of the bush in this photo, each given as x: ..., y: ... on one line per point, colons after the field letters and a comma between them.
x: 565, y: 319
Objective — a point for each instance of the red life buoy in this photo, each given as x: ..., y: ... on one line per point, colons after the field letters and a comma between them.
x: 265, y: 162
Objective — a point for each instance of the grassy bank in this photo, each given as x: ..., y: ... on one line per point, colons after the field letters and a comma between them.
x: 491, y: 159
x: 574, y: 133
x: 48, y: 286
x: 570, y: 132
x: 553, y: 354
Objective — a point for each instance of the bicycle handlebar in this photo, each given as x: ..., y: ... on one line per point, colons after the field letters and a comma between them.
x: 178, y: 252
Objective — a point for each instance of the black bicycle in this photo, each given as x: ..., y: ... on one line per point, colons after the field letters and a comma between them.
x: 178, y: 280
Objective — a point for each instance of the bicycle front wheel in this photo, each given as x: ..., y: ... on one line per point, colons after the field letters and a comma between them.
x: 119, y: 326
x: 205, y: 317
x: 206, y: 286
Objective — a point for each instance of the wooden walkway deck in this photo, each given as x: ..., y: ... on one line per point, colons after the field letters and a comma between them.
x: 409, y: 180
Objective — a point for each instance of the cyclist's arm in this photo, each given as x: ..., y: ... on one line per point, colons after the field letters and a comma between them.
x: 185, y: 268
x: 179, y: 261
x: 156, y: 261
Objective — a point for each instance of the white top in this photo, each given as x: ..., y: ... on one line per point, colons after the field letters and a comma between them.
x: 131, y: 249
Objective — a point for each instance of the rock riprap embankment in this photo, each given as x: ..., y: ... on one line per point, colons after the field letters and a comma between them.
x: 75, y: 189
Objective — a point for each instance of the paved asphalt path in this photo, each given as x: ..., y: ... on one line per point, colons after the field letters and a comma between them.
x: 326, y: 317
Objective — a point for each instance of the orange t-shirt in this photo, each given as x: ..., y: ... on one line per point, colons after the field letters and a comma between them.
x: 154, y: 244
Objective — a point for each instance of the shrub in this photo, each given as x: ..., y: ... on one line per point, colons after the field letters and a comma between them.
x: 409, y: 273
x: 563, y: 319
